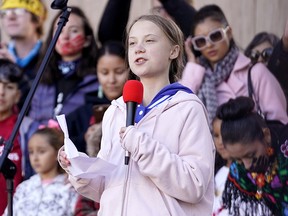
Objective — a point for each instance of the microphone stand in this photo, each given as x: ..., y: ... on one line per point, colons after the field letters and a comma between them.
x: 7, y: 167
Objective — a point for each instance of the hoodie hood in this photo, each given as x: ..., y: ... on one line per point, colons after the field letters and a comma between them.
x: 164, y: 100
x: 165, y: 94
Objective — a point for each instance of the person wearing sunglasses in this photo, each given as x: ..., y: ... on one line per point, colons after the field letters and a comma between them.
x: 261, y: 47
x: 263, y: 56
x: 221, y: 71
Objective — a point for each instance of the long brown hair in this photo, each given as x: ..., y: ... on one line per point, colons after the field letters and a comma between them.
x: 89, y: 53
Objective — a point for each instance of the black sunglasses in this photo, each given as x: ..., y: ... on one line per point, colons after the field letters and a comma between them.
x: 265, y: 54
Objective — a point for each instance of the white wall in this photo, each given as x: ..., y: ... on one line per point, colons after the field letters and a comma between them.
x: 246, y: 17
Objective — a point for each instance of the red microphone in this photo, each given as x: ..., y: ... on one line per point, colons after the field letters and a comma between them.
x: 132, y: 96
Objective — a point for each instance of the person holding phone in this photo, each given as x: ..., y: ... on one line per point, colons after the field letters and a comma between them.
x: 220, y: 73
x: 10, y: 78
x: 84, y: 124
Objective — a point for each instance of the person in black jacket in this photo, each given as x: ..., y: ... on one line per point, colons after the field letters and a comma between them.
x: 182, y: 13
x: 113, y: 22
x: 116, y: 14
x: 278, y: 63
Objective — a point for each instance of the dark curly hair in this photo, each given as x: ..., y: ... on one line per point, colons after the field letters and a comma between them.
x: 10, y: 72
x: 87, y: 64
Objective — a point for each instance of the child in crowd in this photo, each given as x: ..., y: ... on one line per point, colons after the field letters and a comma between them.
x: 171, y: 166
x: 10, y: 77
x: 181, y: 11
x: 48, y: 192
x: 221, y: 72
x: 221, y: 173
x: 71, y: 70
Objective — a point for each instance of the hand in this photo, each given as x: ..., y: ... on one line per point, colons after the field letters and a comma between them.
x: 63, y: 159
x: 285, y: 37
x: 188, y: 50
x: 5, y: 54
x: 121, y: 132
x: 93, y: 139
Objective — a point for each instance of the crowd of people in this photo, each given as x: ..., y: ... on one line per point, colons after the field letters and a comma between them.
x: 201, y: 142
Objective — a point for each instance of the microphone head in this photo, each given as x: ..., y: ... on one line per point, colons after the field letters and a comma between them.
x: 133, y: 91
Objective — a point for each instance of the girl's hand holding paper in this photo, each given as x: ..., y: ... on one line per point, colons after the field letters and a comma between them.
x: 80, y: 164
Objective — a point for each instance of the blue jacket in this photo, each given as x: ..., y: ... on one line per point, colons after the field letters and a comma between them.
x: 44, y: 100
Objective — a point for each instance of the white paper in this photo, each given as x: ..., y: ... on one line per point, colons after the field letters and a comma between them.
x: 82, y: 166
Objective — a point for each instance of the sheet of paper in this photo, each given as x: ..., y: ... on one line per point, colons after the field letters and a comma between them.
x: 82, y: 166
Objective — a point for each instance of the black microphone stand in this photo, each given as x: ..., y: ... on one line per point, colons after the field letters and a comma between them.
x: 7, y: 167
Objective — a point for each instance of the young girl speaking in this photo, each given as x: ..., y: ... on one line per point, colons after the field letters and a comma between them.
x: 171, y: 166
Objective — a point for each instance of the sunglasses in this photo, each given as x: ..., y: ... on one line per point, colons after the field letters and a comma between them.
x: 265, y: 54
x: 215, y: 36
x: 12, y: 11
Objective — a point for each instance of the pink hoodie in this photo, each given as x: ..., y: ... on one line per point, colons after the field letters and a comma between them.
x: 171, y: 168
x: 267, y: 89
